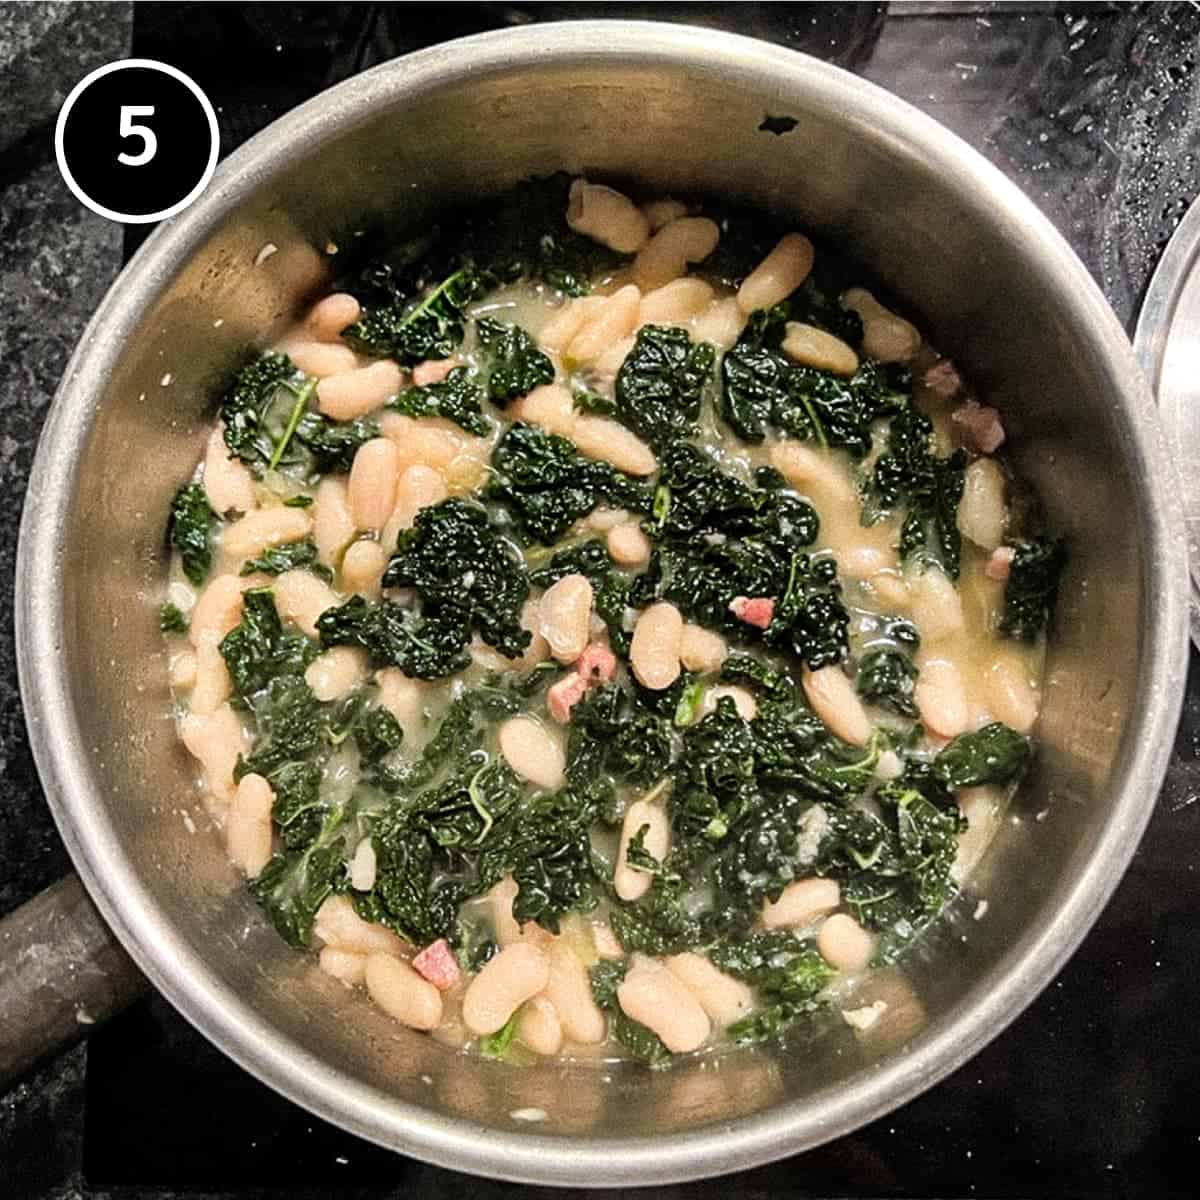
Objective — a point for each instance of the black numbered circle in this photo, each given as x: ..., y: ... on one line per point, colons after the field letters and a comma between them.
x: 136, y: 141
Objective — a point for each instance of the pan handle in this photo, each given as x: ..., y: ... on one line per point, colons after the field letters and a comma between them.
x: 61, y: 972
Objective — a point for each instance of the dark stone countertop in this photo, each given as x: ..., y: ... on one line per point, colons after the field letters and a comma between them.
x: 1093, y: 110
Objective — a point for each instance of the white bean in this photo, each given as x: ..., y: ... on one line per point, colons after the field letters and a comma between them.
x: 212, y: 685
x: 321, y: 359
x: 402, y: 993
x: 801, y: 903
x: 722, y: 997
x: 813, y: 347
x: 363, y: 866
x: 539, y: 1028
x: 662, y: 212
x: 362, y: 568
x: 886, y: 336
x: 216, y: 740
x: 721, y: 323
x: 743, y: 701
x: 355, y: 393
x: 1012, y: 697
x: 301, y: 598
x: 248, y: 825
x: 631, y: 884
x: 652, y: 996
x: 419, y: 487
x: 344, y: 965
x: 941, y: 698
x: 778, y: 275
x: 675, y: 303
x: 612, y: 442
x: 815, y: 473
x: 533, y: 751
x: 702, y: 650
x: 328, y: 317
x: 606, y: 216
x: 603, y: 519
x: 217, y: 610
x: 610, y: 322
x: 628, y: 545
x: 982, y: 512
x: 183, y: 670
x: 337, y: 924
x: 666, y: 255
x: 557, y: 333
x: 333, y: 523
x: 863, y: 562
x: 336, y: 672
x: 516, y: 974
x: 570, y: 991
x: 654, y: 650
x: 404, y: 698
x: 564, y: 617
x: 227, y: 481
x: 260, y: 530
x: 844, y: 944
x: 500, y: 905
x: 833, y: 698
x: 373, y: 478
x: 606, y: 943
x: 936, y: 605
x: 549, y: 406
x: 426, y: 441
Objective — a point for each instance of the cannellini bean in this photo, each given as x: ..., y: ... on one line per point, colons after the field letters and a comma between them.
x: 301, y: 598
x: 248, y: 825
x: 216, y: 740
x: 890, y: 766
x: 606, y: 216
x: 402, y: 993
x: 258, y: 531
x: 549, y: 406
x: 1010, y: 694
x: 722, y: 997
x: 936, y: 605
x: 941, y: 698
x: 890, y: 589
x: 404, y: 698
x: 608, y: 362
x: 666, y: 255
x: 212, y: 685
x: 801, y: 903
x: 418, y: 487
x: 721, y: 323
x: 336, y: 672
x: 538, y: 1026
x: 886, y: 336
x: 355, y: 393
x: 654, y: 997
x: 702, y: 650
x: 605, y: 941
x: 662, y: 212
x: 629, y: 883
x: 862, y: 562
x: 833, y: 698
x: 533, y: 751
x: 844, y: 944
x: 227, y: 481
x: 333, y: 523
x: 778, y: 275
x: 500, y: 905
x: 557, y: 333
x: 675, y: 303
x: 183, y: 670
x: 570, y: 991
x: 815, y: 474
x: 344, y: 965
x: 373, y: 478
x: 363, y: 865
x: 982, y: 512
x: 613, y: 320
x: 610, y: 441
x: 434, y: 370
x: 743, y: 701
x: 516, y: 974
x: 362, y: 568
x: 655, y: 648
x: 814, y: 347
x: 628, y: 545
x: 337, y: 924
x: 328, y: 317
x: 564, y: 617
x: 321, y: 359
x: 428, y: 441
x: 604, y: 519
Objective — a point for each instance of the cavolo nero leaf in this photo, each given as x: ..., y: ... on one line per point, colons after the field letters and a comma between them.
x: 259, y: 650
x: 514, y: 364
x: 288, y: 557
x: 888, y: 678
x: 660, y: 384
x: 171, y: 619
x: 189, y: 530
x: 458, y: 398
x: 1031, y: 590
x: 994, y: 754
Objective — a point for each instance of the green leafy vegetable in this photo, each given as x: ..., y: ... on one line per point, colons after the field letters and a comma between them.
x: 457, y: 398
x: 190, y: 531
x: 259, y: 650
x: 888, y: 678
x: 171, y: 620
x: 288, y: 557
x: 660, y: 383
x: 515, y: 366
x: 610, y: 589
x: 496, y: 1045
x: 1032, y: 587
x: 993, y: 754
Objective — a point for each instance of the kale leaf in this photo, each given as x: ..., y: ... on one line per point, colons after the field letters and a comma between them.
x: 457, y: 398
x: 189, y: 531
x: 515, y: 366
x: 1032, y: 587
x: 888, y: 678
x: 660, y: 383
x: 993, y: 754
x: 291, y: 726
x: 288, y: 557
x: 330, y: 446
x: 259, y: 649
x: 171, y: 620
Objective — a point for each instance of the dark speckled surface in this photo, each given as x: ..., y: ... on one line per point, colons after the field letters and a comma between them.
x: 1093, y: 109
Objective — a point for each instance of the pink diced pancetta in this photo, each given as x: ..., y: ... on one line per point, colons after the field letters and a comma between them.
x: 754, y: 610
x: 433, y: 370
x: 564, y: 695
x: 943, y: 379
x: 438, y: 964
x: 597, y: 664
x: 1000, y: 563
x: 977, y: 427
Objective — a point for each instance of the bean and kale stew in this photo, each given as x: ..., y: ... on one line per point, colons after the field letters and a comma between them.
x: 605, y: 628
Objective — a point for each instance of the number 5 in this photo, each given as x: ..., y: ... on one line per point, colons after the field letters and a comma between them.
x: 129, y: 129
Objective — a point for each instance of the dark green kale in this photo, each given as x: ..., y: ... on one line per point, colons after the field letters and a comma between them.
x: 660, y: 384
x: 514, y: 364
x: 610, y: 589
x: 259, y: 649
x: 413, y: 328
x: 547, y: 485
x: 288, y: 557
x: 888, y: 678
x: 910, y: 474
x: 497, y: 1045
x: 993, y: 754
x: 322, y: 445
x: 376, y: 733
x: 171, y: 620
x: 458, y: 398
x: 291, y: 726
x: 1032, y: 588
x: 607, y: 977
x: 189, y: 531
x: 298, y: 501
x: 749, y: 672
x: 637, y: 857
